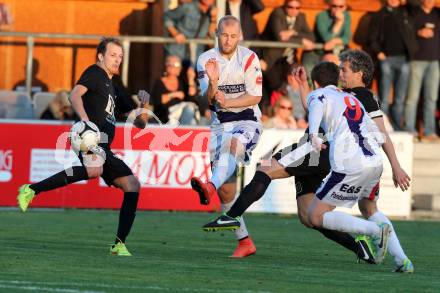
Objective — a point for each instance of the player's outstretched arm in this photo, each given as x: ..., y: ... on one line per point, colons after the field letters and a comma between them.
x: 300, y: 76
x: 400, y: 178
x: 77, y: 103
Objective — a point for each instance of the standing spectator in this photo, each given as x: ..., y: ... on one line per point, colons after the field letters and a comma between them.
x: 283, y: 118
x: 285, y: 24
x: 5, y: 15
x: 244, y: 10
x: 392, y: 40
x: 170, y: 98
x: 59, y: 108
x: 333, y: 29
x: 425, y: 70
x: 189, y: 20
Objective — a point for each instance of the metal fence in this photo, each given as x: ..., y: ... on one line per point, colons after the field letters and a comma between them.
x: 126, y: 42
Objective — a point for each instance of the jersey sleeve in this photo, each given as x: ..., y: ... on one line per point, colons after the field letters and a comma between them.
x: 253, y: 76
x: 89, y: 78
x: 315, y: 105
x: 371, y: 105
x: 202, y: 76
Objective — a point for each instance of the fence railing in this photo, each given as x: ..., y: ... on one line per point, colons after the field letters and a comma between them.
x: 126, y: 43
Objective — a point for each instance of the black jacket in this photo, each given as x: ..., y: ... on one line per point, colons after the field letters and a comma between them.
x: 404, y: 18
x: 277, y: 22
x: 247, y: 9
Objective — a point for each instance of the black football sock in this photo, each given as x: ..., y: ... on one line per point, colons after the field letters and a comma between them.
x: 250, y: 194
x: 63, y: 178
x: 127, y: 215
x: 342, y: 238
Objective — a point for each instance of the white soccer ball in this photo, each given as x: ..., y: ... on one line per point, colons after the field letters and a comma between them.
x: 84, y: 135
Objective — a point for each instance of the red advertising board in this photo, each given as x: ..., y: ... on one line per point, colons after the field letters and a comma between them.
x: 163, y: 158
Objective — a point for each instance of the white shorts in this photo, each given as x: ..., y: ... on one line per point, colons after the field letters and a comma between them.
x: 344, y: 190
x: 247, y: 132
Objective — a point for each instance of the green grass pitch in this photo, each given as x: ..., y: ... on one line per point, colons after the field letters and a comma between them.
x: 67, y: 251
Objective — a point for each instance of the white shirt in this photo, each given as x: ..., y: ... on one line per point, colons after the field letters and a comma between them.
x: 353, y: 137
x: 239, y: 75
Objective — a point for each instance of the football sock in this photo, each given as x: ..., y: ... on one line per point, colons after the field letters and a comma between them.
x: 342, y: 238
x: 394, y: 247
x: 343, y: 222
x: 241, y: 232
x: 68, y: 176
x: 223, y: 170
x: 250, y: 194
x: 127, y: 215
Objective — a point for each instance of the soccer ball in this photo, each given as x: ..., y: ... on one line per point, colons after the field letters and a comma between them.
x: 84, y: 135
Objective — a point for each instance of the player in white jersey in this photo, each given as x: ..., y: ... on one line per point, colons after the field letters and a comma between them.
x: 230, y: 78
x: 355, y: 158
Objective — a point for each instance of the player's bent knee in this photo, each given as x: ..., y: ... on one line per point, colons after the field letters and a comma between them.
x: 133, y: 184
x: 367, y: 208
x: 304, y: 219
x: 94, y: 172
x: 315, y: 219
x: 275, y: 170
x: 226, y: 193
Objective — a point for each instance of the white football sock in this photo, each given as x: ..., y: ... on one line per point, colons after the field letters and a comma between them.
x: 394, y: 247
x: 223, y: 170
x: 241, y: 232
x: 343, y: 222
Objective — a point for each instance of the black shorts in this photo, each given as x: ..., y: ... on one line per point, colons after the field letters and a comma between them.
x: 113, y: 167
x: 308, y: 174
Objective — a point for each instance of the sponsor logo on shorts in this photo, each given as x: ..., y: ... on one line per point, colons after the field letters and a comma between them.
x: 339, y: 196
x: 350, y: 189
x: 201, y: 74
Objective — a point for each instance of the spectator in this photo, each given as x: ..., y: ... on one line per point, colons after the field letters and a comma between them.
x: 333, y: 29
x: 392, y: 40
x: 283, y: 118
x: 189, y: 20
x: 285, y: 24
x: 244, y: 10
x: 38, y: 85
x: 59, y: 108
x: 5, y: 15
x: 424, y: 70
x: 169, y: 97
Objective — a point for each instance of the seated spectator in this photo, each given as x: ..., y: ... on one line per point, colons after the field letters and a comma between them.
x: 283, y: 118
x: 37, y: 85
x: 424, y: 71
x: 59, y: 108
x: 189, y: 20
x: 333, y: 29
x: 170, y: 99
x: 285, y: 24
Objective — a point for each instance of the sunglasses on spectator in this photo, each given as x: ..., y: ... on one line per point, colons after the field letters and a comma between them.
x: 286, y: 108
x: 293, y: 7
x: 338, y: 6
x: 174, y: 64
